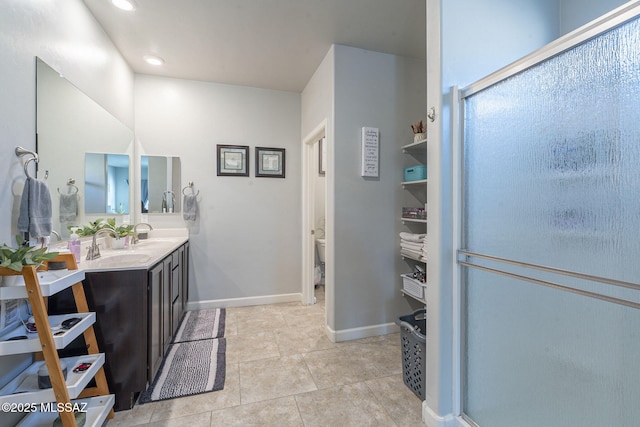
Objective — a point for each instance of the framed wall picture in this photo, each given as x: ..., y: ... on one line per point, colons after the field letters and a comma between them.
x: 270, y: 162
x: 233, y: 160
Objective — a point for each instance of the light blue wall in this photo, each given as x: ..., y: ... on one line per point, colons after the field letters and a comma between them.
x: 386, y: 92
x: 239, y: 218
x: 575, y: 13
x: 481, y: 37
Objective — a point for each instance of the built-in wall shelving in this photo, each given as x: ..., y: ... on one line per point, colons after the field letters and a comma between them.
x: 418, y: 151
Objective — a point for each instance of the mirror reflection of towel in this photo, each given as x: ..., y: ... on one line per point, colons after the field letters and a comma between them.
x: 35, y: 209
x: 68, y: 207
x: 189, y: 207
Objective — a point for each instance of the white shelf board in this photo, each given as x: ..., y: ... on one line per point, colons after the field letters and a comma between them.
x: 407, y: 294
x: 420, y: 181
x: 421, y: 221
x: 418, y: 144
x: 51, y: 282
x: 97, y: 410
x: 28, y: 380
x: 415, y: 258
x: 32, y: 343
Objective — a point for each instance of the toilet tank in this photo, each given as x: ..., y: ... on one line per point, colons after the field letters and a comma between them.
x: 321, y: 245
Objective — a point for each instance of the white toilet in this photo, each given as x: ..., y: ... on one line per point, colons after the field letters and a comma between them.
x: 320, y: 245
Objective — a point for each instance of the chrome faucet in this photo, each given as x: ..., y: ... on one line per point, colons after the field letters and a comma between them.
x: 93, y: 252
x: 136, y: 238
x: 55, y: 233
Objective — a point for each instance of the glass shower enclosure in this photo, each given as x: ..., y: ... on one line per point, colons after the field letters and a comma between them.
x: 549, y: 263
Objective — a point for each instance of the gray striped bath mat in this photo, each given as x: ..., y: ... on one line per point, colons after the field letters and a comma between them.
x: 189, y: 368
x: 201, y: 325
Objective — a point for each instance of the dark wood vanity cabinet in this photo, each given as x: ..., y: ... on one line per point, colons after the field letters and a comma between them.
x: 137, y: 313
x: 168, y: 296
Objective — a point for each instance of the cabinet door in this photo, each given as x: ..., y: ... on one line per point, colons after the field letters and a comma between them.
x: 176, y: 275
x: 156, y: 347
x: 185, y: 276
x: 167, y: 330
x: 176, y: 286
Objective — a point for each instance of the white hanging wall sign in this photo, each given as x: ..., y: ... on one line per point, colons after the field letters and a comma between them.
x: 370, y: 152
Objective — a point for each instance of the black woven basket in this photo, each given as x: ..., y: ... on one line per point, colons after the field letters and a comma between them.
x: 413, y: 328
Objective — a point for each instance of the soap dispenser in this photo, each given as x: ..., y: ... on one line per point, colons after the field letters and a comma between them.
x: 74, y: 243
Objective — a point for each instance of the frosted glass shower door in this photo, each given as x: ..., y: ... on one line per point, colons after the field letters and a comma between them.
x: 551, y: 179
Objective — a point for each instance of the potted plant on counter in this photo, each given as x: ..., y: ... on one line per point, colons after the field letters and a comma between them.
x: 88, y: 230
x: 123, y: 231
x: 14, y: 259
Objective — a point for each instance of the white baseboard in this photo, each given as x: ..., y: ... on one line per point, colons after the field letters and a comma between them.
x: 242, y: 302
x: 362, y: 332
x: 430, y: 418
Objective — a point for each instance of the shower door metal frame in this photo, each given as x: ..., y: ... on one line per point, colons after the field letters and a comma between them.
x: 613, y: 19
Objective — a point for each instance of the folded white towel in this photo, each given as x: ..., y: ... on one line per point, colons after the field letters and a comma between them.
x: 413, y: 246
x: 411, y: 237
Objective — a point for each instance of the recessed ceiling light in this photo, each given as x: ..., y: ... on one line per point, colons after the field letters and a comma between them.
x: 153, y: 60
x: 128, y: 5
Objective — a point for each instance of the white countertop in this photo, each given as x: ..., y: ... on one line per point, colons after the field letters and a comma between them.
x: 141, y: 256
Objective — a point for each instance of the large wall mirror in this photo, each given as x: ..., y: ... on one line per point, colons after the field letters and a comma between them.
x: 70, y: 126
x: 160, y: 184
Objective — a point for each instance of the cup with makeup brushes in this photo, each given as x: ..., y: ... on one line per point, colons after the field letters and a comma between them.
x: 419, y: 131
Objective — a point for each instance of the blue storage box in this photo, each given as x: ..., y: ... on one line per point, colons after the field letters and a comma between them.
x: 415, y: 173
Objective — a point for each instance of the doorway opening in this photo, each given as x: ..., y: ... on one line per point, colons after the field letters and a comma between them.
x: 317, y: 246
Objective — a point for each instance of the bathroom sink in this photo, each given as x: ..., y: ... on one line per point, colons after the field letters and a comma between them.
x: 122, y: 260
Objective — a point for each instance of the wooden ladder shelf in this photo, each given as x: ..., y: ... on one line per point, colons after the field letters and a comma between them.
x: 49, y: 352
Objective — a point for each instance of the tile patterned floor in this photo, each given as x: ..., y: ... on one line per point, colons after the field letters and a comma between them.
x: 283, y: 371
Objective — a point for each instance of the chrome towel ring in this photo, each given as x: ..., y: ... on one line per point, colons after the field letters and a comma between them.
x: 191, y: 187
x: 71, y: 183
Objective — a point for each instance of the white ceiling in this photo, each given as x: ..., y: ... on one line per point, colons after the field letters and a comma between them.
x: 274, y: 44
